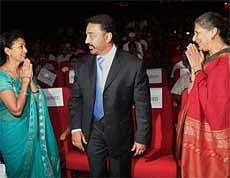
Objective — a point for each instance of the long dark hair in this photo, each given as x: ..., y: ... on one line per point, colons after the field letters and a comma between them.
x: 6, y: 41
x: 210, y: 20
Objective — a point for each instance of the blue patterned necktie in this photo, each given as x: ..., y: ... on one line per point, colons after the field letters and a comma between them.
x: 98, y: 105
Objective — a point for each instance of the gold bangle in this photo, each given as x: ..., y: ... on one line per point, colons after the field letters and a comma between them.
x: 25, y: 78
x: 195, y: 71
x: 195, y: 68
x: 34, y: 92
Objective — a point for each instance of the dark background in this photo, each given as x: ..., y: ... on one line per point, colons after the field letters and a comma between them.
x: 46, y: 16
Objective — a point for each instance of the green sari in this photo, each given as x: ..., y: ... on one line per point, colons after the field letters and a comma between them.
x: 27, y: 142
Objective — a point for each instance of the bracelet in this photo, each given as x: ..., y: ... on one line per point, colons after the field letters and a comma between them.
x: 195, y: 71
x: 25, y: 78
x: 34, y: 92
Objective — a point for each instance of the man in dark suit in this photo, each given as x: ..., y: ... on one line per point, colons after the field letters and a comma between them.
x: 106, y: 85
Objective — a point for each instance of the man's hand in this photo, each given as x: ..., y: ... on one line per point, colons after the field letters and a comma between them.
x: 138, y: 148
x: 77, y: 139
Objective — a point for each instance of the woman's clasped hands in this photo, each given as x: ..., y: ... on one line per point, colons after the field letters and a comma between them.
x: 26, y: 72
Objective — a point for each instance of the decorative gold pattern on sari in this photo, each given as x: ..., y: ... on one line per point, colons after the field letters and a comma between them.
x: 201, y: 138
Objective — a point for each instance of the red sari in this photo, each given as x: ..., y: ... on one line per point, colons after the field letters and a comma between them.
x: 203, y: 133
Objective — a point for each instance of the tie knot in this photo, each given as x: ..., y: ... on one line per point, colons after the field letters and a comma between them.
x: 100, y: 60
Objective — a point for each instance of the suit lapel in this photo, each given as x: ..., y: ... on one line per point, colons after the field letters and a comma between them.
x: 92, y: 75
x: 114, y: 69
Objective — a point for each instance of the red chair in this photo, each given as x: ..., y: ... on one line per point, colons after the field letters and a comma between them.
x: 156, y: 162
x: 73, y: 157
x: 60, y: 80
x: 59, y: 119
x: 70, y: 156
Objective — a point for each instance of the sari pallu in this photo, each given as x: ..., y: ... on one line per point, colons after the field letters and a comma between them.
x: 203, y: 132
x: 27, y: 142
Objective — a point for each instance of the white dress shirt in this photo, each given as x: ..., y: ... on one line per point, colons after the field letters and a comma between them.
x: 108, y: 60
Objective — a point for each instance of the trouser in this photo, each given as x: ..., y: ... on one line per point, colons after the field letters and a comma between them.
x: 101, y: 163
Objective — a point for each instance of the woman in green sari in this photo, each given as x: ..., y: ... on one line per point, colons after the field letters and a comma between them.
x: 27, y: 142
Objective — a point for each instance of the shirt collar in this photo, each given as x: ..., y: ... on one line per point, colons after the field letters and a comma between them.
x: 110, y: 54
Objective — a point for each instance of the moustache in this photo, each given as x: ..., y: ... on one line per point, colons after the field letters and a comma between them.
x: 89, y: 45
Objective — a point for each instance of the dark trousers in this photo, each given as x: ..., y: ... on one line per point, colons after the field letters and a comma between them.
x: 101, y: 163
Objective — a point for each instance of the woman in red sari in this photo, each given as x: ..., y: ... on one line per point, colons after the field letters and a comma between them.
x: 203, y: 133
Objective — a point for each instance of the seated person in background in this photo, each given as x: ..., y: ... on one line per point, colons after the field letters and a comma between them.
x: 132, y: 38
x: 133, y: 49
x: 181, y: 84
